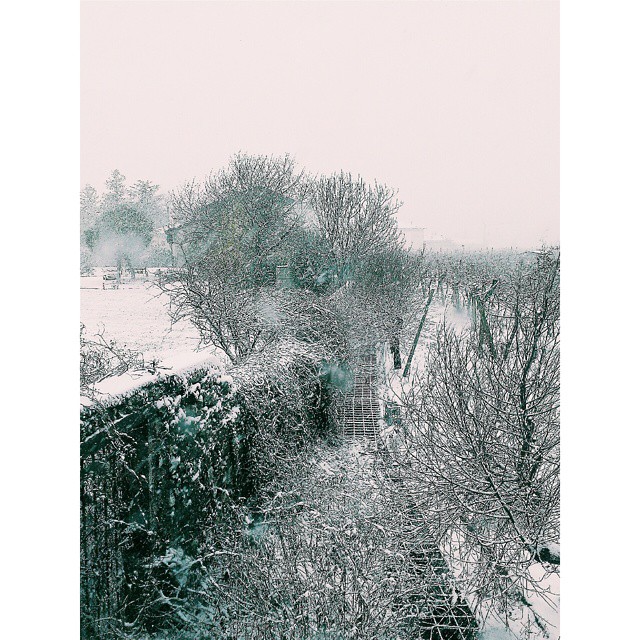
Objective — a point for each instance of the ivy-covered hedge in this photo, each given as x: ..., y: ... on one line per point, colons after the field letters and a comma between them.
x: 163, y: 472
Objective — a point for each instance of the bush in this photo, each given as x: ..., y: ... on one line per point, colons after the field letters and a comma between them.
x: 101, y: 358
x: 167, y: 473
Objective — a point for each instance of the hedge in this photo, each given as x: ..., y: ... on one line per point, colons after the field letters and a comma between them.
x: 163, y: 472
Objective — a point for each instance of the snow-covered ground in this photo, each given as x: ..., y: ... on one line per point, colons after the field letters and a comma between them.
x: 135, y: 315
x: 395, y: 385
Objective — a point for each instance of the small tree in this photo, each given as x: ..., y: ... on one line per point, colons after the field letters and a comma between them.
x: 354, y: 220
x: 234, y: 230
x: 385, y: 280
x: 250, y: 208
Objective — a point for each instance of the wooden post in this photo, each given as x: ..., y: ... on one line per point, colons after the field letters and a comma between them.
x: 407, y: 367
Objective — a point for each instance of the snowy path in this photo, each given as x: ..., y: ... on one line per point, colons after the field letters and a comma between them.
x: 441, y: 613
x: 359, y: 413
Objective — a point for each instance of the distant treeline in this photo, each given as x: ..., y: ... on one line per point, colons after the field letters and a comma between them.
x: 124, y: 226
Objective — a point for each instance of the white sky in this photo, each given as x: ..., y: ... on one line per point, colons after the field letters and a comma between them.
x: 455, y: 104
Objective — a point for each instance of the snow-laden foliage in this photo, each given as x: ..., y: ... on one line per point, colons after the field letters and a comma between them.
x: 163, y: 472
x: 332, y: 552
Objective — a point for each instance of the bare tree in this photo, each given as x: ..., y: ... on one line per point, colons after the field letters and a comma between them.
x: 250, y: 208
x: 234, y: 230
x: 328, y: 554
x: 481, y: 441
x: 354, y: 219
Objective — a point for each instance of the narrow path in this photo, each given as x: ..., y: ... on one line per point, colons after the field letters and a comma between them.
x: 441, y: 612
x: 360, y: 410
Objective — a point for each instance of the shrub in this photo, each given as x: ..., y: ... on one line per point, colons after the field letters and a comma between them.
x: 167, y: 473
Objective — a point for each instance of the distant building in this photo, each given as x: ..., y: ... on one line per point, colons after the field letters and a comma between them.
x: 440, y: 243
x: 416, y: 239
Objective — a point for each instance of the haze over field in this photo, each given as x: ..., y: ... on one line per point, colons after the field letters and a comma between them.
x: 454, y: 104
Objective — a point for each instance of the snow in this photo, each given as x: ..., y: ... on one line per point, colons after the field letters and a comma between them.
x: 135, y: 315
x: 497, y: 634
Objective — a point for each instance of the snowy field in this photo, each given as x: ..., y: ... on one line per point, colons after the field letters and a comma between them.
x: 135, y: 315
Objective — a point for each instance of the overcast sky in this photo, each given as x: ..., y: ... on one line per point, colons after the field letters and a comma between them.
x: 455, y: 104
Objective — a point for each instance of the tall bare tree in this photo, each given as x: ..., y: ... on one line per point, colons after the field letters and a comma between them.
x: 250, y: 207
x: 234, y: 230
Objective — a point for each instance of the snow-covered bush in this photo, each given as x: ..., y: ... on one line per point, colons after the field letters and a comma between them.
x: 165, y: 472
x: 331, y: 553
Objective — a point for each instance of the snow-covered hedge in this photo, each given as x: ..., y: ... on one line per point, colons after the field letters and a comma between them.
x: 163, y: 471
